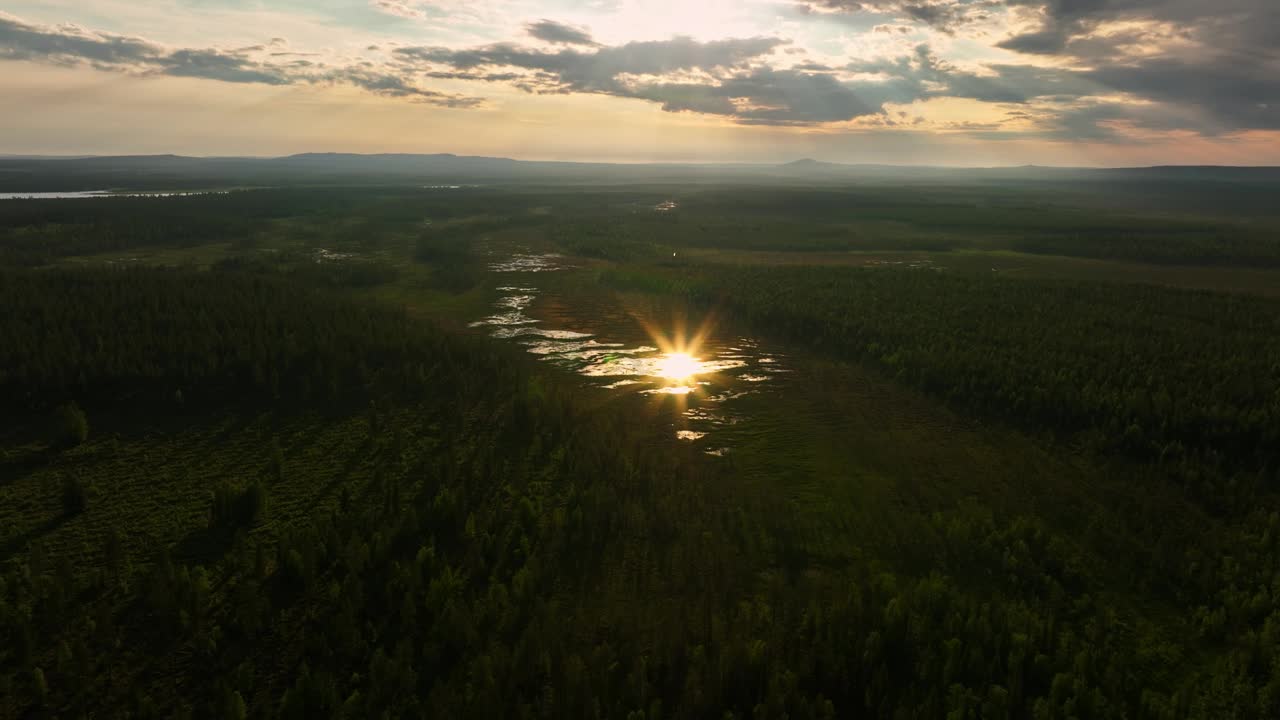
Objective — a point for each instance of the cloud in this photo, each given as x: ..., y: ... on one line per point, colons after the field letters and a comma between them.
x: 736, y: 78
x: 19, y: 41
x: 944, y: 15
x: 890, y: 29
x: 1215, y: 65
x: 71, y: 45
x: 1089, y: 27
x: 604, y: 70
x: 765, y: 96
x: 1088, y: 69
x: 729, y: 78
x: 1229, y: 96
x: 559, y: 34
x: 1208, y: 67
x: 215, y: 65
x: 399, y: 8
x: 598, y: 70
x: 391, y: 85
x: 923, y: 75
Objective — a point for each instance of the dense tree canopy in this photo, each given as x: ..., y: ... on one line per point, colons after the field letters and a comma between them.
x: 251, y: 491
x: 1155, y: 372
x: 100, y: 335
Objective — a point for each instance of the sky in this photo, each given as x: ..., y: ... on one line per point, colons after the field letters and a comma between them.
x: 919, y: 82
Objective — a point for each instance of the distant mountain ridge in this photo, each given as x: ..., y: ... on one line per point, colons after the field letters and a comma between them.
x: 168, y: 171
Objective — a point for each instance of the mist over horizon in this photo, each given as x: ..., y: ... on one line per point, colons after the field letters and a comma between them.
x: 797, y: 163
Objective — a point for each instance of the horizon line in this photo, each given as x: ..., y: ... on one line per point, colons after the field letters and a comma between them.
x: 625, y: 163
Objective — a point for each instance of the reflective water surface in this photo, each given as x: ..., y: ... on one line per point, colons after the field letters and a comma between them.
x: 99, y: 194
x: 635, y: 347
x: 53, y: 195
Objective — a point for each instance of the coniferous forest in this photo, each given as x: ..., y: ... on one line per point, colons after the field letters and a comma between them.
x: 261, y: 456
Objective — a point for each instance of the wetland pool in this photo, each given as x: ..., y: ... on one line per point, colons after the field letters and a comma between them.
x: 701, y: 371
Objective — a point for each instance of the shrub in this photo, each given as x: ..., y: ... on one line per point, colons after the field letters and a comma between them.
x: 73, y: 426
x: 75, y: 496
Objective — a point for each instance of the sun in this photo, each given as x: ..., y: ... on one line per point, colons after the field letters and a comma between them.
x: 678, y: 366
x: 678, y: 362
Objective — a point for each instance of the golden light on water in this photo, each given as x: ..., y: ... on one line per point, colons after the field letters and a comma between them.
x: 678, y: 366
x: 680, y: 363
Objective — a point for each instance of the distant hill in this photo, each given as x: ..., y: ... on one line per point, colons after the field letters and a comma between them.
x: 808, y: 164
x: 37, y: 174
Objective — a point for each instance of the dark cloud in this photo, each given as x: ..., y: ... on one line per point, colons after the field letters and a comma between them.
x: 19, y: 41
x: 1048, y: 41
x: 922, y: 75
x: 729, y: 77
x: 1107, y: 121
x: 560, y: 34
x: 69, y: 45
x: 765, y: 96
x: 598, y: 70
x: 902, y: 29
x: 1080, y: 27
x: 945, y: 15
x: 215, y: 65
x: 391, y: 85
x: 1228, y: 96
x: 1213, y: 65
x: 732, y: 78
x: 1068, y: 104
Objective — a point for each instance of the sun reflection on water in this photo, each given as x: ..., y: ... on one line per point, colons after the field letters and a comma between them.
x: 678, y: 366
x: 672, y: 390
x: 694, y: 381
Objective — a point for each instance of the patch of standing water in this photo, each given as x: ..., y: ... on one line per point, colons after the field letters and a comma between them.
x: 525, y: 262
x: 80, y: 195
x: 609, y: 347
x: 507, y: 333
x: 325, y: 255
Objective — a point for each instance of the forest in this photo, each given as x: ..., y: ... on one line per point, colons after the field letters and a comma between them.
x: 1187, y: 379
x: 258, y: 461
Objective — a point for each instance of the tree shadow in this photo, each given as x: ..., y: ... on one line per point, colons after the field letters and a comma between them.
x: 205, y: 545
x: 15, y: 469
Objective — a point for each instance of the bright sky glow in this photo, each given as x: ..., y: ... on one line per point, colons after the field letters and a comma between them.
x: 947, y: 82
